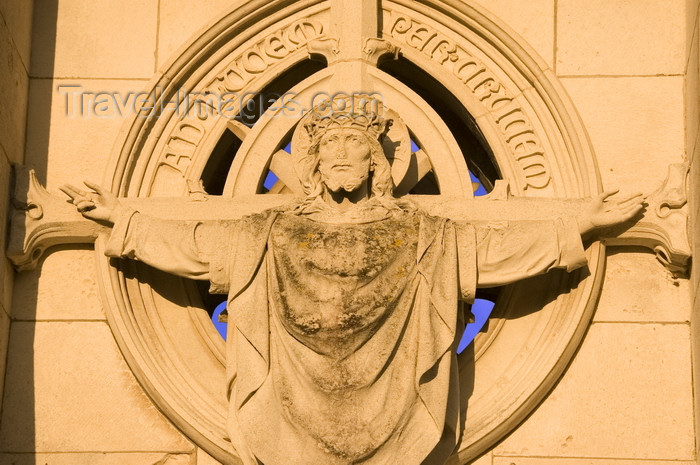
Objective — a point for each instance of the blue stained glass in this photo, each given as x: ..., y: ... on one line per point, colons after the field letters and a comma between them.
x: 270, y: 180
x: 481, y: 309
x: 220, y: 327
x: 480, y: 190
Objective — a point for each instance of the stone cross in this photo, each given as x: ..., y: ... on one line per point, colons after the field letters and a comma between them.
x: 41, y: 219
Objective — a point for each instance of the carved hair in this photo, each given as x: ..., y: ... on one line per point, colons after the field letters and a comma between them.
x: 374, y: 128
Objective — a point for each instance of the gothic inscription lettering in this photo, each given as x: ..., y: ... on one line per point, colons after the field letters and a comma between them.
x: 264, y: 54
x: 509, y: 117
x: 181, y: 145
x: 223, y: 94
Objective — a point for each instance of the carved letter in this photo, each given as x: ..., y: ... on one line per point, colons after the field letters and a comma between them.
x: 233, y: 80
x: 401, y: 25
x: 420, y: 37
x: 303, y: 31
x: 447, y: 50
x: 275, y: 47
x: 468, y: 69
x: 254, y: 61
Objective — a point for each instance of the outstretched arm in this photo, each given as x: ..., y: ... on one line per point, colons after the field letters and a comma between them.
x: 171, y: 246
x: 508, y: 252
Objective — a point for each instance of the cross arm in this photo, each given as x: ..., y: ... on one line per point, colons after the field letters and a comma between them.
x: 40, y: 219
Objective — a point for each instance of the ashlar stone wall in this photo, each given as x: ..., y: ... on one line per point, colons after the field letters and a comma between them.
x: 631, y: 68
x: 15, y: 50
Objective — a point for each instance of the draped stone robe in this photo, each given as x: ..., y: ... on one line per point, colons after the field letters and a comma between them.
x: 341, y: 336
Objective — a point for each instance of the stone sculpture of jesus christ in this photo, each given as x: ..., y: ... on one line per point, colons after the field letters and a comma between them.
x: 343, y: 308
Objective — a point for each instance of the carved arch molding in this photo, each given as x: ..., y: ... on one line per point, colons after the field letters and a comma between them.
x: 521, y: 112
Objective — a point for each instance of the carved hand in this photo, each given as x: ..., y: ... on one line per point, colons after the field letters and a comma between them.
x: 100, y: 204
x: 606, y: 211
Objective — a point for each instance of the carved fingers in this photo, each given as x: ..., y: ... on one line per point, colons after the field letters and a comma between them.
x: 617, y: 210
x: 81, y: 199
x: 631, y: 206
x: 610, y: 210
x: 97, y: 204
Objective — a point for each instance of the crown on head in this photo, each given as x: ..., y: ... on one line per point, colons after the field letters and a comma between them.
x: 370, y: 123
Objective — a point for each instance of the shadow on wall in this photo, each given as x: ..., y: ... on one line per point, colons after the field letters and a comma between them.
x: 17, y: 420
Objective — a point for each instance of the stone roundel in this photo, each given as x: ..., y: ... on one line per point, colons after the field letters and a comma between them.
x: 515, y: 100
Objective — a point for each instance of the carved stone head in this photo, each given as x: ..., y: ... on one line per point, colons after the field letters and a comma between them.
x: 344, y: 149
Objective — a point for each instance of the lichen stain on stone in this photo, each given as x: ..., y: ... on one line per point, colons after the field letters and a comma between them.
x: 338, y: 283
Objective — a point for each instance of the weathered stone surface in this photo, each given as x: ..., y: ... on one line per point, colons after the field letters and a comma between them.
x: 620, y: 37
x: 13, y: 94
x: 602, y: 408
x: 42, y: 294
x: 69, y: 389
x: 632, y: 276
x: 635, y: 139
x: 533, y: 20
x: 18, y: 18
x: 567, y: 461
x: 179, y: 20
x: 98, y: 458
x: 84, y: 39
x: 60, y: 133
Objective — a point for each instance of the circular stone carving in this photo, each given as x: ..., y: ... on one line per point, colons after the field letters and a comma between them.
x: 518, y: 105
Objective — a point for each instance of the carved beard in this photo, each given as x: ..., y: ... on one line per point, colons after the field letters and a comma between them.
x: 348, y: 181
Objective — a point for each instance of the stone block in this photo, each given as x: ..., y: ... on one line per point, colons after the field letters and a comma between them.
x: 621, y: 37
x: 533, y: 20
x: 18, y: 18
x: 692, y: 96
x: 13, y: 95
x: 94, y: 38
x: 6, y: 271
x: 691, y: 25
x: 7, y: 274
x: 566, y: 461
x: 694, y: 231
x: 695, y: 333
x: 627, y: 394
x: 4, y: 339
x: 636, y: 125
x: 41, y: 294
x: 70, y: 137
x: 5, y: 170
x: 98, y: 458
x: 68, y: 389
x: 180, y: 20
x: 631, y: 277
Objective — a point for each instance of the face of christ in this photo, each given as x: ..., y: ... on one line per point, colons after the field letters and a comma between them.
x: 344, y: 163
